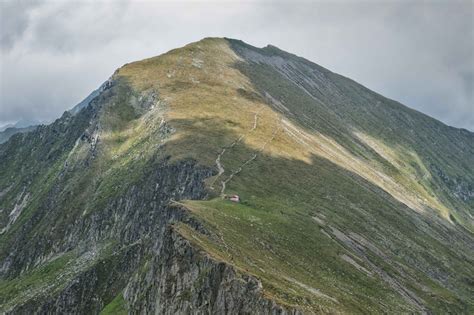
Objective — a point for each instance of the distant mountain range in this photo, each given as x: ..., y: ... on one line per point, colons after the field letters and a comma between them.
x: 221, y: 178
x: 20, y: 127
x: 23, y: 126
x: 22, y: 123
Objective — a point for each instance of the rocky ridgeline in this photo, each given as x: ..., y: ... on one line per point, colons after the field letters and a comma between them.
x: 173, y: 276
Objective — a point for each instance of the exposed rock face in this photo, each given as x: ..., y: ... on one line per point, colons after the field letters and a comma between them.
x: 182, y: 280
x: 85, y: 293
x: 126, y: 220
x: 179, y: 278
x: 459, y: 187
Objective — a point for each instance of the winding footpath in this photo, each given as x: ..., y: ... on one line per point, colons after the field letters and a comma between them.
x: 221, y: 169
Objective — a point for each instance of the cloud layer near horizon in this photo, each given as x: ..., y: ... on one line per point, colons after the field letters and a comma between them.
x: 55, y: 53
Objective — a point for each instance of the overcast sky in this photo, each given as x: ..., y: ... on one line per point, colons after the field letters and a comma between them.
x: 54, y: 53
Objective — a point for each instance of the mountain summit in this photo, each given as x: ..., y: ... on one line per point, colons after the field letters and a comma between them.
x: 344, y: 201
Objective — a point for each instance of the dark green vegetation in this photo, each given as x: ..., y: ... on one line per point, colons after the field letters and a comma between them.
x: 351, y: 203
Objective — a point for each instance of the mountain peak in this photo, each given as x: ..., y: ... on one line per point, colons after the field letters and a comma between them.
x: 221, y: 163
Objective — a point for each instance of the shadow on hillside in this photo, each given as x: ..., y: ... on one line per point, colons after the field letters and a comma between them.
x: 293, y: 187
x: 346, y: 107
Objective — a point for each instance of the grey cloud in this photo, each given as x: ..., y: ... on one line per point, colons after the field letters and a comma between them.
x: 67, y: 28
x: 14, y: 20
x: 419, y: 53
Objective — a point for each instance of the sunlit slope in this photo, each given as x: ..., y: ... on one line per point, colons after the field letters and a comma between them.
x: 351, y: 203
x: 350, y: 187
x: 429, y: 159
x: 416, y: 159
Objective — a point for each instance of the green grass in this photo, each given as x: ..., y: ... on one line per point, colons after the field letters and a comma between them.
x: 272, y: 235
x: 275, y: 245
x: 31, y: 283
x: 116, y: 307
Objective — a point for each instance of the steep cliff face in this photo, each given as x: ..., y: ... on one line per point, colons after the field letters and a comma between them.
x: 173, y: 278
x: 103, y: 246
x: 144, y: 259
x: 350, y: 203
x: 183, y: 280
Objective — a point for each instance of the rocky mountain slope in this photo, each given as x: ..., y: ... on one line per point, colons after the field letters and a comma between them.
x: 350, y: 202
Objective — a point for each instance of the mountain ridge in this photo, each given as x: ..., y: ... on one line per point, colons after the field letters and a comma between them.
x: 347, y: 205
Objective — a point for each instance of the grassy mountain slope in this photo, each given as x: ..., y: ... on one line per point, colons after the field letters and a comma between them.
x: 351, y: 202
